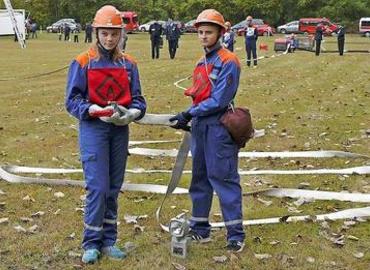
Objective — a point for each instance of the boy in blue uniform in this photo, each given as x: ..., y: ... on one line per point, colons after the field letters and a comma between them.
x: 215, y: 154
x: 104, y: 94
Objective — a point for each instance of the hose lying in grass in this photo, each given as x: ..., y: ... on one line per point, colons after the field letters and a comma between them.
x: 7, y: 173
x: 362, y: 170
x: 29, y: 77
x: 284, y: 154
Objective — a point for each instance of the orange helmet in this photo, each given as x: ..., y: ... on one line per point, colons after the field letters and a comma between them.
x: 227, y: 25
x: 108, y: 17
x: 210, y: 16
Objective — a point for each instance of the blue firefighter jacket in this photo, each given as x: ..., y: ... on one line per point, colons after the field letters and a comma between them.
x: 225, y: 81
x: 77, y: 98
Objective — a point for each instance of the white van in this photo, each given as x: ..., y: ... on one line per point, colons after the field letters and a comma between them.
x: 364, y: 26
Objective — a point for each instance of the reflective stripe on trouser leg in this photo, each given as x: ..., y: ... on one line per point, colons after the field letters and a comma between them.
x: 94, y: 147
x: 200, y: 190
x: 255, y: 61
x: 117, y: 165
x: 222, y: 168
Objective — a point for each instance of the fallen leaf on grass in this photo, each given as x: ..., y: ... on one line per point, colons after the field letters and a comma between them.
x: 71, y: 236
x: 304, y: 185
x: 358, y: 255
x: 311, y: 218
x: 129, y: 246
x: 220, y: 259
x: 257, y: 239
x: 57, y: 212
x: 28, y: 198
x: 33, y: 229
x: 349, y: 223
x: 19, y: 228
x: 263, y: 256
x: 38, y: 214
x: 339, y: 241
x: 74, y: 254
x: 130, y: 219
x: 26, y: 219
x: 4, y: 220
x: 292, y: 209
x: 138, y: 228
x: 2, y: 192
x: 325, y: 225
x: 303, y: 200
x: 310, y: 259
x: 178, y: 266
x: 352, y: 237
x: 59, y: 194
x: 267, y: 203
x: 285, y: 259
x: 274, y: 242
x: 80, y: 209
x: 142, y: 217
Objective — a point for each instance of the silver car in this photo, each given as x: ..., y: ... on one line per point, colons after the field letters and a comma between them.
x: 291, y: 27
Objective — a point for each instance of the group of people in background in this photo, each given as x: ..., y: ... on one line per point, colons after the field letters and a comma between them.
x: 319, y: 33
x: 172, y: 32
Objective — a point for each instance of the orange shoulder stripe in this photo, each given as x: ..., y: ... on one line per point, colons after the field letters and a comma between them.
x: 83, y: 58
x: 130, y: 58
x: 226, y: 56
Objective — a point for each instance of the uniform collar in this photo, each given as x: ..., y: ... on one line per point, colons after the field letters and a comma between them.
x: 210, y: 51
x: 108, y: 54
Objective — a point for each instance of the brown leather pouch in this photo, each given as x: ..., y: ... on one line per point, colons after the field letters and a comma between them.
x: 238, y: 121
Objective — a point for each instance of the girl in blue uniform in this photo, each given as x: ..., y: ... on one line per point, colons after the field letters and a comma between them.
x: 104, y: 94
x: 215, y: 154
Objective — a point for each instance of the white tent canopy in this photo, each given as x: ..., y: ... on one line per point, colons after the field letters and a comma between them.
x: 6, y: 27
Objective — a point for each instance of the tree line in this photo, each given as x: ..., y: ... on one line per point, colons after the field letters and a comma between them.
x: 275, y: 12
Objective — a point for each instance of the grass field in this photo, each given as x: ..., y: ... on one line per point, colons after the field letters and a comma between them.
x: 304, y: 103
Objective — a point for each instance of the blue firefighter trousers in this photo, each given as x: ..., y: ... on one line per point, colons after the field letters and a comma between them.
x: 251, y: 48
x: 215, y: 168
x: 103, y: 149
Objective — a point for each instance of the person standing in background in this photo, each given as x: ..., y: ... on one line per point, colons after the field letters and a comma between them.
x: 341, y: 32
x: 318, y: 38
x: 123, y: 41
x: 67, y: 31
x: 228, y: 39
x: 155, y: 32
x: 75, y: 35
x: 88, y: 33
x: 172, y: 35
x: 251, y: 36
